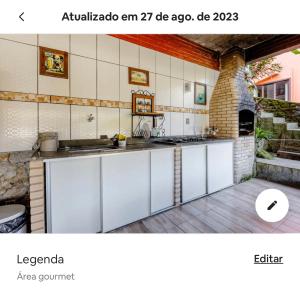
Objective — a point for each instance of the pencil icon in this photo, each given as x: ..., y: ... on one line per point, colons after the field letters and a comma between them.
x: 271, y: 206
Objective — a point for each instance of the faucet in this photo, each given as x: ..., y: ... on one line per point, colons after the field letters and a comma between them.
x: 90, y: 118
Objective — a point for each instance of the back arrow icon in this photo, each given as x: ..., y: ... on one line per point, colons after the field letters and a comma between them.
x: 20, y: 16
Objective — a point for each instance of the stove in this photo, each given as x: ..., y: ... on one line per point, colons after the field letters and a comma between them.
x: 179, y: 140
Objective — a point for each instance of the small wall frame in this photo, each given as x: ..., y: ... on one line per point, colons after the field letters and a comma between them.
x: 54, y: 63
x: 200, y: 93
x: 138, y: 76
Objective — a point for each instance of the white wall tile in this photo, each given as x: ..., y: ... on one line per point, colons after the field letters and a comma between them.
x: 201, y: 122
x: 200, y: 74
x: 188, y: 100
x: 108, y: 81
x: 125, y: 122
x: 18, y: 126
x: 129, y: 54
x: 176, y: 92
x: 83, y: 77
x: 55, y: 117
x: 18, y: 67
x: 189, y: 71
x: 108, y: 49
x: 53, y: 86
x: 59, y: 42
x: 176, y: 123
x: 112, y: 84
x: 152, y: 85
x: 165, y: 123
x: 108, y: 121
x: 210, y: 77
x: 84, y: 45
x: 80, y: 127
x: 125, y: 87
x: 209, y: 92
x: 23, y: 38
x: 188, y: 124
x: 147, y: 59
x: 163, y: 90
x: 176, y: 68
x: 205, y: 120
x: 163, y: 64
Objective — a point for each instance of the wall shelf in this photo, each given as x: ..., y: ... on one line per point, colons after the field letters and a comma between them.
x: 148, y: 114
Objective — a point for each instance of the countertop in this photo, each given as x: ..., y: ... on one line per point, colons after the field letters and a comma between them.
x: 128, y: 148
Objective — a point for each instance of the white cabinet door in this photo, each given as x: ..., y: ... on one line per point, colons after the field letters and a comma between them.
x: 219, y: 166
x: 125, y: 188
x: 193, y: 172
x: 73, y: 196
x: 162, y: 179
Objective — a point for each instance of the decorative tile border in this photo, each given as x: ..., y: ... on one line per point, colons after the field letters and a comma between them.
x: 74, y: 101
x: 180, y: 109
x: 23, y: 97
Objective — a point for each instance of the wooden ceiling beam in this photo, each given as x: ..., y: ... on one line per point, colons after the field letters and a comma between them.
x: 175, y: 46
x: 274, y: 46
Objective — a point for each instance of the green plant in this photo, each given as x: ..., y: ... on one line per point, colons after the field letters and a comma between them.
x: 263, y: 134
x: 296, y: 51
x: 259, y: 70
x: 264, y: 154
x: 246, y: 178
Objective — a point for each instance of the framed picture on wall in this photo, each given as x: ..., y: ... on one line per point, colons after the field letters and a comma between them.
x: 53, y: 63
x: 200, y: 93
x: 138, y: 76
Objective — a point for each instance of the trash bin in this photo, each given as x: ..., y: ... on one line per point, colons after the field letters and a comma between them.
x: 12, y: 219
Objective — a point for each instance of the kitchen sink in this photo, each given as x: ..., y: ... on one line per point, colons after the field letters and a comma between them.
x: 140, y: 146
x: 106, y: 148
x: 97, y: 148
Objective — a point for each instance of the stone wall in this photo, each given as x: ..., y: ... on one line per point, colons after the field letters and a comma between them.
x: 244, y: 157
x: 288, y: 110
x: 14, y: 175
x: 281, y: 174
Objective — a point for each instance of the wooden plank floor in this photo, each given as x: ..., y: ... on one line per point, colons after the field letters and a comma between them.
x: 228, y: 211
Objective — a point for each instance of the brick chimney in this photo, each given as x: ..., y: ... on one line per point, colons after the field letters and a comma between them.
x: 230, y: 96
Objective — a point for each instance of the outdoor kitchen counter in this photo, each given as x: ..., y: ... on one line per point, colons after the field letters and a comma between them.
x: 128, y: 148
x: 206, y: 141
x: 113, y: 188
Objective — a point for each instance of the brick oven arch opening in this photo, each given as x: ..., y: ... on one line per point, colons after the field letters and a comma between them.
x: 246, y: 122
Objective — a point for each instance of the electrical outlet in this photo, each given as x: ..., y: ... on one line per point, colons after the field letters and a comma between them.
x: 187, y: 87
